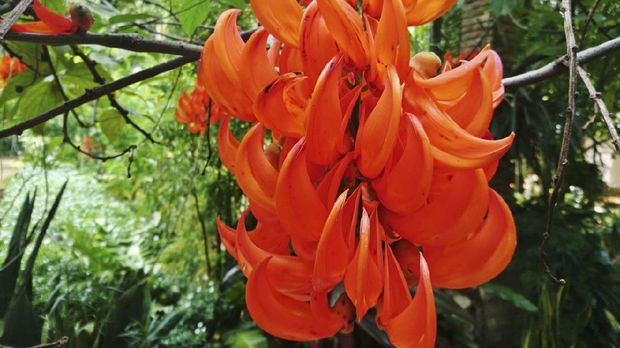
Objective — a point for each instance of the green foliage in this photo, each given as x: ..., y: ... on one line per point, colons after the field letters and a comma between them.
x: 126, y: 263
x: 22, y: 326
x: 111, y: 123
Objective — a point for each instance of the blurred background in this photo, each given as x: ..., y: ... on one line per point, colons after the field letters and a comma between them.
x: 118, y: 261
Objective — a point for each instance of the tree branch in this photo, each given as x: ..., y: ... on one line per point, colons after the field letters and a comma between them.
x: 13, y: 16
x: 571, y: 52
x: 97, y: 93
x: 67, y: 140
x: 596, y: 96
x: 130, y: 42
x: 92, y: 67
x: 558, y: 67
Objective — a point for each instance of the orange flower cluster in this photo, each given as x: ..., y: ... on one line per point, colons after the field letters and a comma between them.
x: 9, y: 67
x: 366, y: 169
x: 50, y: 22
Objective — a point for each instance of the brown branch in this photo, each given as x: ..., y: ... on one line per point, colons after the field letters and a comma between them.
x: 571, y: 52
x: 48, y: 58
x: 130, y: 42
x: 67, y: 140
x: 13, y: 16
x: 92, y: 67
x: 96, y: 93
x: 596, y: 96
x: 558, y: 67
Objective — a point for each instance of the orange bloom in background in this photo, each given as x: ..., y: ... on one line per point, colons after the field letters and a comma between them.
x: 367, y: 169
x: 9, y: 67
x: 50, y: 22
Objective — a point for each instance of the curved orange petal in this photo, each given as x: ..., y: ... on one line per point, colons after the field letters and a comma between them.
x: 256, y: 176
x: 299, y: 206
x: 282, y: 18
x: 228, y: 235
x: 283, y: 316
x: 227, y: 146
x: 347, y: 28
x: 324, y: 134
x: 37, y: 27
x: 450, y: 84
x: 289, y: 274
x: 377, y: 137
x: 392, y: 38
x: 317, y: 45
x: 494, y: 70
x: 416, y: 326
x: 396, y: 294
x: 363, y: 278
x: 338, y: 234
x: 406, y: 181
x: 453, y: 147
x: 482, y: 256
x: 290, y: 60
x: 220, y: 66
x: 372, y: 7
x: 271, y: 110
x: 424, y: 11
x: 255, y: 70
x: 454, y: 210
x: 58, y: 23
x: 331, y: 182
x: 474, y: 111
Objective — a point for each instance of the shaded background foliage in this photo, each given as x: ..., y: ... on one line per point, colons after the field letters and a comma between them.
x: 136, y: 262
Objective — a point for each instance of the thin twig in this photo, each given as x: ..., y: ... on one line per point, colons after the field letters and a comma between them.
x: 571, y: 52
x: 17, y: 11
x: 47, y: 57
x: 96, y: 93
x: 558, y: 67
x: 596, y: 96
x: 57, y: 344
x: 92, y: 67
x: 203, y: 229
x: 208, y: 139
x: 584, y: 31
x: 67, y: 140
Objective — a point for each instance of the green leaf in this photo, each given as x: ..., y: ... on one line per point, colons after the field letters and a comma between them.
x: 39, y: 98
x: 111, y: 123
x: 17, y: 85
x: 78, y: 81
x: 507, y: 294
x: 58, y: 6
x: 30, y: 54
x: 192, y: 13
x: 247, y: 339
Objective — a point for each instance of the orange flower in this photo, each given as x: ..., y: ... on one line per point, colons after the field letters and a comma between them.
x: 50, y: 22
x: 366, y: 170
x: 9, y: 67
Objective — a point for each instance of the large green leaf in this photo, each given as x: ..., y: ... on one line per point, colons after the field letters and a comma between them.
x: 111, y: 123
x: 191, y: 13
x: 9, y: 272
x: 37, y: 99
